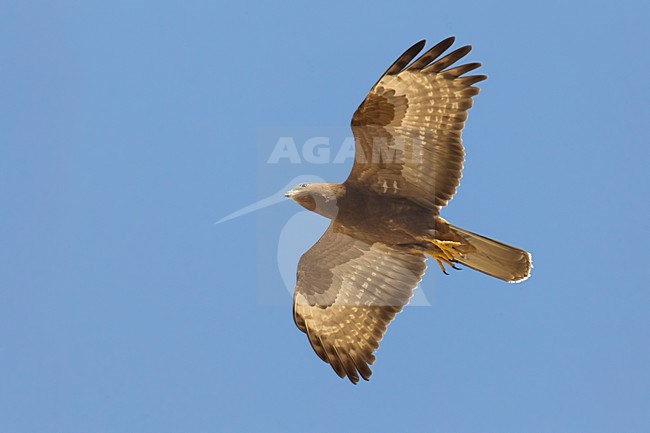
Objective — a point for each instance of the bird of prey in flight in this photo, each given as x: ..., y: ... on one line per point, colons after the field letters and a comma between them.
x: 385, y: 217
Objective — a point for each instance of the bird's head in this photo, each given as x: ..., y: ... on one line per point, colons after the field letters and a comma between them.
x: 317, y: 197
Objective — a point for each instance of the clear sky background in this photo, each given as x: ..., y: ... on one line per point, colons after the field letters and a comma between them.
x: 127, y: 128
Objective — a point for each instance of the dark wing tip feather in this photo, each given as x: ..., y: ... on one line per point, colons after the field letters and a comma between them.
x: 472, y: 79
x: 333, y: 359
x: 361, y: 366
x: 316, y: 344
x: 432, y: 54
x: 449, y: 59
x: 347, y: 364
x: 462, y: 69
x: 405, y: 58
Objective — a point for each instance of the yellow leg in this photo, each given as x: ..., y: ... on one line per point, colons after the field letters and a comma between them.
x: 446, y: 252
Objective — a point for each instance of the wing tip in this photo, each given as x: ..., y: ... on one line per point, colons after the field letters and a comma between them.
x: 441, y: 64
x: 420, y: 44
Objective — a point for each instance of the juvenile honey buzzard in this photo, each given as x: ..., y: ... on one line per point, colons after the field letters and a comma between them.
x: 385, y: 218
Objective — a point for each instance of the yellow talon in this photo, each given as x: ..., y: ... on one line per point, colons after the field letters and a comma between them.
x: 446, y: 253
x: 442, y: 268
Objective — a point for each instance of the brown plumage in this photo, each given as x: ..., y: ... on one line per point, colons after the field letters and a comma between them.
x: 385, y: 218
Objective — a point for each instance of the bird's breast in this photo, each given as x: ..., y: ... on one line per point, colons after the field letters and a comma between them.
x: 391, y: 220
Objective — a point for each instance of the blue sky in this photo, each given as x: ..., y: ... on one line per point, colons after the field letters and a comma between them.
x: 128, y: 128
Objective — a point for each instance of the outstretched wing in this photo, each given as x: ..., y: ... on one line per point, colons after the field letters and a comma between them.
x: 347, y: 292
x: 408, y: 129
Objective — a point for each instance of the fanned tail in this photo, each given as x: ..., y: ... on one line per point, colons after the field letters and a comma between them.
x: 494, y: 258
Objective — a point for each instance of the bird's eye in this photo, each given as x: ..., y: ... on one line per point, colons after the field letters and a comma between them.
x: 304, y: 185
